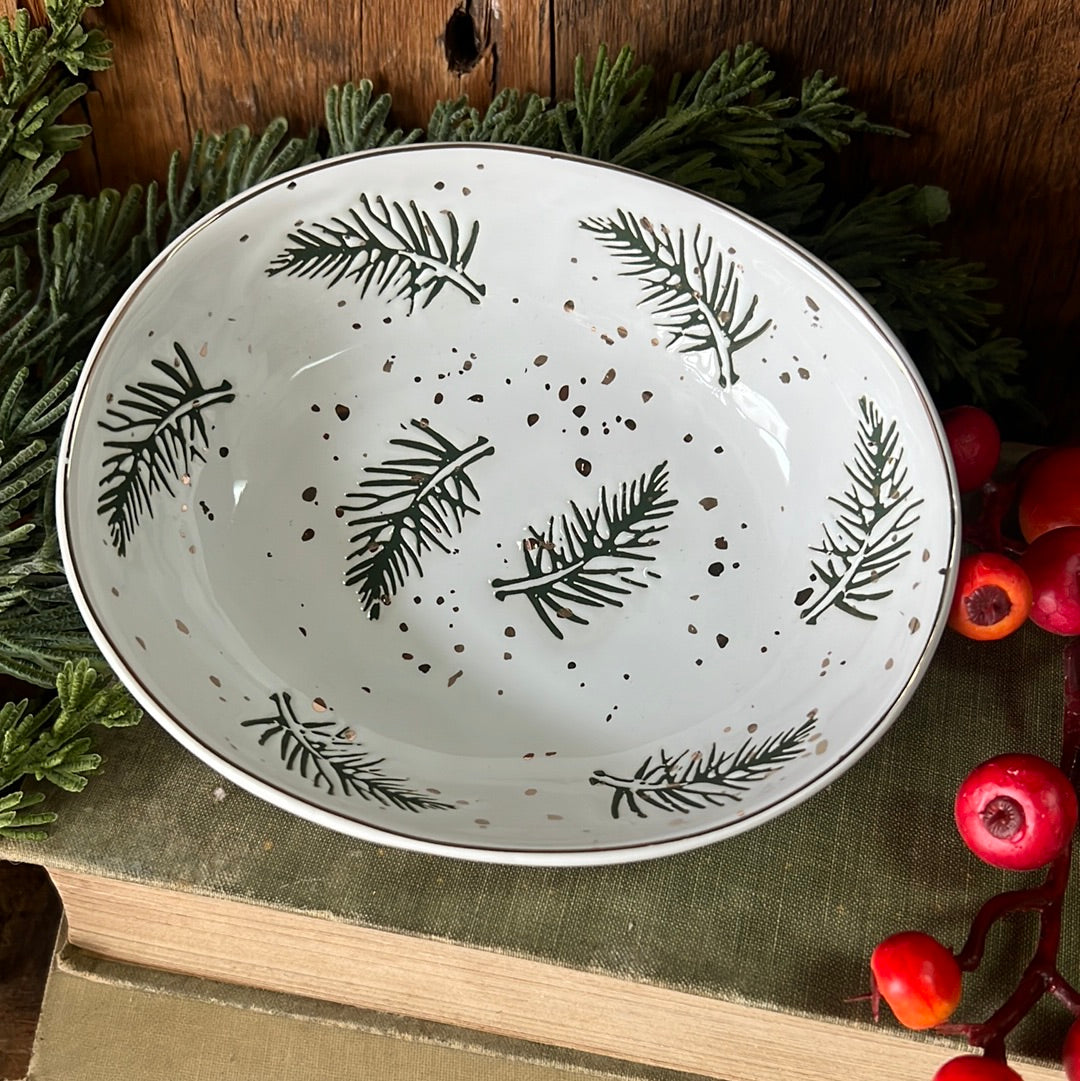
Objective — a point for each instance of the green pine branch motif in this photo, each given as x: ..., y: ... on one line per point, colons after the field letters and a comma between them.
x: 406, y: 507
x: 589, y: 558
x: 876, y: 521
x: 165, y: 434
x: 328, y: 754
x: 389, y: 250
x: 693, y: 780
x: 692, y: 291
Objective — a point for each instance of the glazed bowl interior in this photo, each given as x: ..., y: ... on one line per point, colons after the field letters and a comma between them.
x: 503, y: 505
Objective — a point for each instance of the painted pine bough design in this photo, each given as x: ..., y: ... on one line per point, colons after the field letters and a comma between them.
x: 692, y: 292
x: 872, y: 529
x: 329, y: 756
x: 692, y: 780
x: 406, y: 506
x: 159, y: 432
x: 390, y: 250
x: 593, y: 557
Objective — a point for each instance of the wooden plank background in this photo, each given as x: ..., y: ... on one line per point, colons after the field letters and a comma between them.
x: 990, y: 90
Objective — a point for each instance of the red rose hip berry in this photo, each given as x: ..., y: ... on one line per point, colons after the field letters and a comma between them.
x: 1050, y: 495
x: 918, y: 977
x: 974, y: 443
x: 1052, y: 563
x: 976, y: 1068
x: 1016, y: 811
x: 992, y: 598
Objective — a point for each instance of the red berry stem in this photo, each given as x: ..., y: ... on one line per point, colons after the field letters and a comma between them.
x: 1041, y: 974
x: 1033, y: 899
x: 1065, y: 993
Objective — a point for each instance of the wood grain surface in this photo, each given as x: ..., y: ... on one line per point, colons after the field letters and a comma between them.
x: 989, y: 89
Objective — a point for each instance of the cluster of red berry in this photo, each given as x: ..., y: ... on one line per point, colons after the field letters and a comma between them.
x: 1009, y: 581
x: 1016, y: 811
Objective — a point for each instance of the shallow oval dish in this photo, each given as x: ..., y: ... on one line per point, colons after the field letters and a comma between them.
x: 497, y: 504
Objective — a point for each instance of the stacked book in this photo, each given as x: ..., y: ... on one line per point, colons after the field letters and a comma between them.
x: 209, y: 934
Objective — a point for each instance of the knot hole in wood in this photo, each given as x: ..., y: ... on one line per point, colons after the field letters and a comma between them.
x: 470, y: 34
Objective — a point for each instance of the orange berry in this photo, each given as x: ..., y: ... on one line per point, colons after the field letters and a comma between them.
x: 992, y: 598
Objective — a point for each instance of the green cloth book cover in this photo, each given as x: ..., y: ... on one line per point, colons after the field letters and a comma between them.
x: 192, y: 1029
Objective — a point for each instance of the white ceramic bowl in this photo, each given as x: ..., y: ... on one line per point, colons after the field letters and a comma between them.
x: 498, y: 504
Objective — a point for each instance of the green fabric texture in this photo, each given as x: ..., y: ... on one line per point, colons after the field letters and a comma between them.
x: 102, y: 1020
x: 784, y: 916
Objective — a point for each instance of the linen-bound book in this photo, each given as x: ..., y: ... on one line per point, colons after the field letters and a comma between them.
x: 733, y: 961
x: 106, y: 1020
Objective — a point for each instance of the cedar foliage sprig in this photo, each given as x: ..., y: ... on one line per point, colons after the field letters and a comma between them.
x: 50, y: 743
x: 36, y: 63
x: 936, y: 305
x: 726, y: 132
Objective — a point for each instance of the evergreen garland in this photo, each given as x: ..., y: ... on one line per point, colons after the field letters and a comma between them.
x: 65, y: 260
